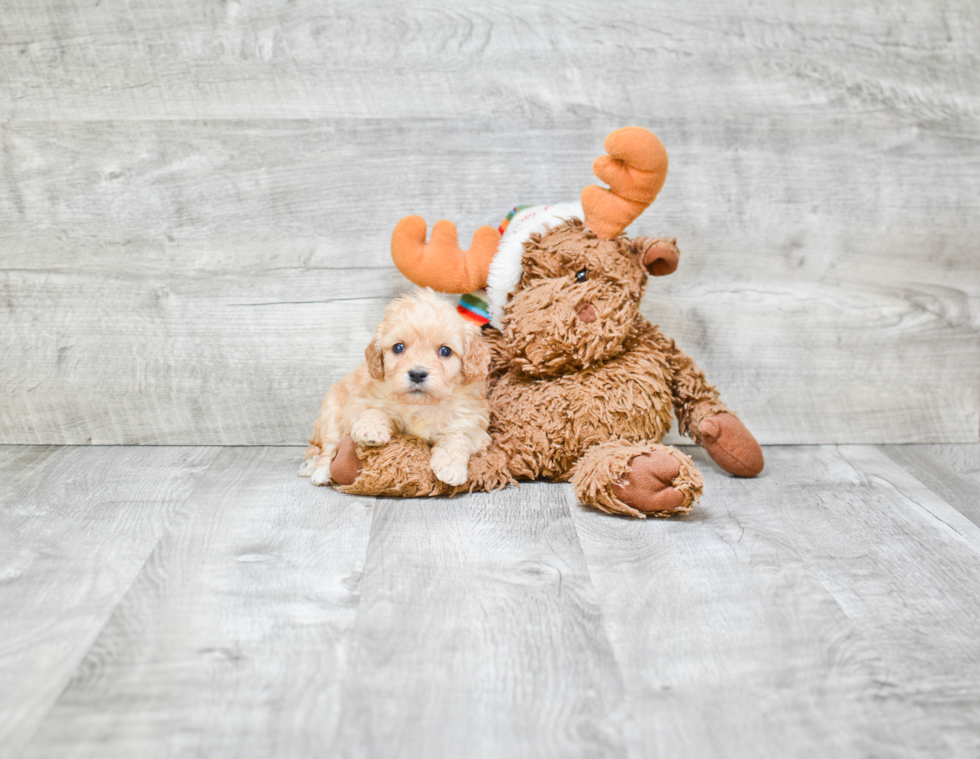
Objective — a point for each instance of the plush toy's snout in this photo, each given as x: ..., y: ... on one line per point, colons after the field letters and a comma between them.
x: 586, y: 312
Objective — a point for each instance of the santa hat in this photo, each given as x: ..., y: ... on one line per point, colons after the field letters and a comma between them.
x: 486, y: 305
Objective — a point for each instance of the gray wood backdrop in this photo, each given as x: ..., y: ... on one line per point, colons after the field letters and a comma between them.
x: 196, y: 197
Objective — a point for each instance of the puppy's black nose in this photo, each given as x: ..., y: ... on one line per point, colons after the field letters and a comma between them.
x: 417, y: 375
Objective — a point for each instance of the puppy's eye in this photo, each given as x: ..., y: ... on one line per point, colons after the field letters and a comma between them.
x: 445, y: 351
x: 398, y: 348
x: 581, y: 275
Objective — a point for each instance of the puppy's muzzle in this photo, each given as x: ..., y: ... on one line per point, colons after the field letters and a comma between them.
x: 417, y: 376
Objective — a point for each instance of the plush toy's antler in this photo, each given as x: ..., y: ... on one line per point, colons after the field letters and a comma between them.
x: 635, y: 170
x: 442, y: 264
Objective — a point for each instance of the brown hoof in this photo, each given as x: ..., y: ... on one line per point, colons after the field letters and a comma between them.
x: 345, y: 465
x: 731, y: 445
x: 648, y: 486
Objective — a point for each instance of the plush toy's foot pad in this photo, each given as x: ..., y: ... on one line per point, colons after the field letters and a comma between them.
x: 346, y: 465
x: 648, y: 486
x: 637, y: 479
x: 731, y: 445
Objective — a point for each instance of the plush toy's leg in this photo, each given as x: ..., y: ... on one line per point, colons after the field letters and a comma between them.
x: 710, y: 423
x: 398, y: 469
x: 637, y: 479
x: 402, y: 468
x: 489, y: 470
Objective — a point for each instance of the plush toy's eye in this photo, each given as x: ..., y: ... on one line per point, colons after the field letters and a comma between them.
x: 581, y: 275
x: 445, y: 351
x: 398, y: 348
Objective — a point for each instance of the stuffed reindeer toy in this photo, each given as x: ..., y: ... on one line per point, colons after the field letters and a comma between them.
x: 583, y: 385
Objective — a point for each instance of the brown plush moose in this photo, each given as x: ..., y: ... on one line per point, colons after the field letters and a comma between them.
x: 583, y: 386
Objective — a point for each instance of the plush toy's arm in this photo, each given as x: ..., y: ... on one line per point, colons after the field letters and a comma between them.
x: 694, y: 398
x: 707, y: 421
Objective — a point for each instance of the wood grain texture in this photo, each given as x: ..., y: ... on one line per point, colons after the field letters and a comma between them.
x: 824, y: 187
x: 76, y: 526
x: 479, y: 624
x: 201, y: 328
x: 167, y: 601
x: 233, y: 639
x: 180, y: 358
x: 245, y: 357
x: 827, y: 608
x: 950, y: 471
x: 415, y: 60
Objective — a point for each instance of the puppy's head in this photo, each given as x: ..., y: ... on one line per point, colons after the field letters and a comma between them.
x: 423, y: 349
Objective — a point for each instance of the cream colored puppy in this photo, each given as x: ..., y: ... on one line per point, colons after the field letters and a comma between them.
x: 425, y: 375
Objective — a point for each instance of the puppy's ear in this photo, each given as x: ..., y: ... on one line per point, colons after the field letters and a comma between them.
x: 659, y: 256
x: 375, y: 360
x: 476, y: 360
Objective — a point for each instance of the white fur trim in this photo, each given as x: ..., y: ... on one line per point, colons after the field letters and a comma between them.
x: 505, y: 268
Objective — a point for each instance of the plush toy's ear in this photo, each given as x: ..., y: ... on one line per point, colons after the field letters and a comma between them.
x: 375, y: 360
x: 660, y: 256
x: 476, y: 360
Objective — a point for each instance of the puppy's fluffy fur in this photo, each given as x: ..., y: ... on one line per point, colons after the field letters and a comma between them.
x: 408, y: 384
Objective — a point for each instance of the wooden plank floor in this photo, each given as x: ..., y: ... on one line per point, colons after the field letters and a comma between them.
x: 209, y: 602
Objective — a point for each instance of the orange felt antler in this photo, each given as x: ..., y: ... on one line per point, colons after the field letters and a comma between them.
x: 442, y: 264
x: 635, y: 170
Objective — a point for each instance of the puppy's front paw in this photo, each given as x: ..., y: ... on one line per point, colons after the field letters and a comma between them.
x: 449, y: 468
x: 307, y: 467
x: 370, y: 433
x: 321, y: 475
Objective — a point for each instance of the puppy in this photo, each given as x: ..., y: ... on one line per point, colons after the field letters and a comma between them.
x: 425, y: 375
